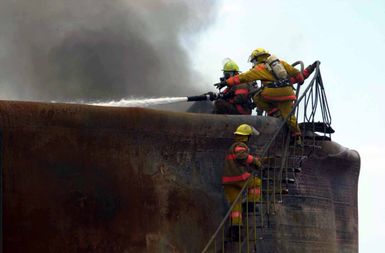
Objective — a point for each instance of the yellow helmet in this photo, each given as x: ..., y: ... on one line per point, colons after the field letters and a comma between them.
x: 246, y: 129
x: 258, y: 52
x: 230, y: 65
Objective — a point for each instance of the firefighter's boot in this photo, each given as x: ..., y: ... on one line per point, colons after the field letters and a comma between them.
x: 235, y: 234
x: 250, y: 207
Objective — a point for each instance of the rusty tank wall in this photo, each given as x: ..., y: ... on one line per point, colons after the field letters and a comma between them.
x: 320, y: 213
x: 79, y: 178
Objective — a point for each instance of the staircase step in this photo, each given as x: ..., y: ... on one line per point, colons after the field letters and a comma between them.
x: 284, y: 180
x: 312, y: 146
x: 288, y: 180
x: 290, y: 169
x: 320, y: 127
x: 258, y: 203
x: 296, y: 170
x: 277, y: 191
x: 258, y: 227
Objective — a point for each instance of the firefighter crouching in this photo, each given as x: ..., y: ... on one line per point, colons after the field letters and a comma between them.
x: 235, y: 99
x: 238, y: 163
x: 276, y: 97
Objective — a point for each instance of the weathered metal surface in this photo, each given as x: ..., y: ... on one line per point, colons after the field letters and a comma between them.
x: 82, y: 178
x: 320, y: 212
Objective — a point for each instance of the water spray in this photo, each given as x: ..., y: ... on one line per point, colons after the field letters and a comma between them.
x: 145, y: 102
x: 139, y: 102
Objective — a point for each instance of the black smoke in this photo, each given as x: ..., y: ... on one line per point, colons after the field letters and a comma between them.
x: 98, y: 49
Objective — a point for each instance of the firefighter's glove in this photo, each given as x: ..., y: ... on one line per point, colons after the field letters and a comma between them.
x: 221, y: 84
x: 312, y: 67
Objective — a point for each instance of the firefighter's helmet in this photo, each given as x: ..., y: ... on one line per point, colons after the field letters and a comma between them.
x: 258, y: 52
x: 246, y: 129
x: 230, y: 66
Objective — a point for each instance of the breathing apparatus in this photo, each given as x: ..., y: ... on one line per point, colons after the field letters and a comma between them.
x: 227, y: 75
x: 272, y: 63
x: 276, y: 67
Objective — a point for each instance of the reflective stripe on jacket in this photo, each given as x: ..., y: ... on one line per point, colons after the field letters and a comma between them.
x: 238, y: 162
x: 240, y: 98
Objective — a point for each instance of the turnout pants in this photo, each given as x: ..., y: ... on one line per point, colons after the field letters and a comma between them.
x: 231, y: 192
x: 278, y: 108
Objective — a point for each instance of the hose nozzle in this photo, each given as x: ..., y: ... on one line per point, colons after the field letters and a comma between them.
x: 204, y: 97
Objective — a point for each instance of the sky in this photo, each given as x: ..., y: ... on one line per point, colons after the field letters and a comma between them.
x: 348, y: 37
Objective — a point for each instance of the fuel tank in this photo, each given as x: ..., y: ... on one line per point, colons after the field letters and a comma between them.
x: 79, y: 178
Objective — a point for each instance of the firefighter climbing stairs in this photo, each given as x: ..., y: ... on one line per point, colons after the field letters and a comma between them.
x: 259, y: 218
x: 282, y: 162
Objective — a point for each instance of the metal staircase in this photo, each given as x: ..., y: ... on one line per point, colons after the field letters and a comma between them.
x: 278, y: 173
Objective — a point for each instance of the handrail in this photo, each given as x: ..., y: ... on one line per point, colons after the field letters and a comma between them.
x: 283, y: 123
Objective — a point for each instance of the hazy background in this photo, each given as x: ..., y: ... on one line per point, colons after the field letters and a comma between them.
x: 87, y: 50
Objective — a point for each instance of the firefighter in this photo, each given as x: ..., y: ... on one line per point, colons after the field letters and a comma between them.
x: 276, y: 97
x: 238, y: 165
x: 235, y: 99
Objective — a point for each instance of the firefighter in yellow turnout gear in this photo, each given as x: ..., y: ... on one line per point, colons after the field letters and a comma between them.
x: 235, y: 99
x: 277, y: 77
x: 238, y: 165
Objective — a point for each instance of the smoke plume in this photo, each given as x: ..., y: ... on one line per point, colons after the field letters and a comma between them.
x: 98, y: 49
